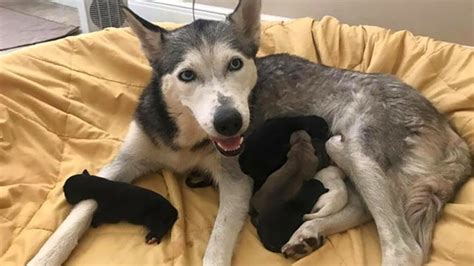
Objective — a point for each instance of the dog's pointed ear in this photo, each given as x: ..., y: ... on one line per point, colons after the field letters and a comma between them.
x: 246, y: 19
x: 149, y: 34
x: 85, y: 172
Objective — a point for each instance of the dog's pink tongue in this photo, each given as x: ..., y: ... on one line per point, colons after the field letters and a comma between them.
x: 230, y: 144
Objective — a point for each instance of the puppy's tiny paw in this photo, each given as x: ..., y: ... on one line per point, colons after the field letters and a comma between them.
x: 151, y: 239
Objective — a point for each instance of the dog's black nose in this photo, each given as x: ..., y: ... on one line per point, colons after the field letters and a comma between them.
x: 227, y: 121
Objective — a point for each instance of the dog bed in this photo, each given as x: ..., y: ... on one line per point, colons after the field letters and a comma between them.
x: 66, y: 106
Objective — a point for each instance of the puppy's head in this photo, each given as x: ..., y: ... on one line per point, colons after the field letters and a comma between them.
x: 208, y: 68
x: 76, y: 187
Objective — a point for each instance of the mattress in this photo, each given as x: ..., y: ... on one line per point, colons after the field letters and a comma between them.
x: 66, y: 105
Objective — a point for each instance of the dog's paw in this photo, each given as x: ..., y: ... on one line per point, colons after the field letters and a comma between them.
x: 311, y: 216
x: 335, y: 148
x: 302, y: 243
x: 152, y: 238
x: 335, y: 144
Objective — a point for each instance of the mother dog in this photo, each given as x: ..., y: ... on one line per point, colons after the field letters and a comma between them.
x: 207, y: 87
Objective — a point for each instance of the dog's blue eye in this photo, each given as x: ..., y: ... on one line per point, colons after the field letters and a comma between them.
x: 235, y: 64
x: 187, y: 75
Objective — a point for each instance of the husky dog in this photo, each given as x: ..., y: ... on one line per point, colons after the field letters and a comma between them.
x: 403, y: 158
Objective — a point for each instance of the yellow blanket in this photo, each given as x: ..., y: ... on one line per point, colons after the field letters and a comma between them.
x: 66, y: 105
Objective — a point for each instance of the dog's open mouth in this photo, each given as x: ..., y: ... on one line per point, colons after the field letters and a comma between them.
x: 229, y: 146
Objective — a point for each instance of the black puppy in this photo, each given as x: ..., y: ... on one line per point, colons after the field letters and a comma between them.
x: 277, y: 222
x: 281, y: 156
x: 266, y: 147
x: 119, y: 201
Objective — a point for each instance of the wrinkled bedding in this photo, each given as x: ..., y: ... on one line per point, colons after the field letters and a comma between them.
x: 66, y: 106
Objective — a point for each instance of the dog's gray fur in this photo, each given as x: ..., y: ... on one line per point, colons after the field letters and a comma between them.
x: 404, y: 159
x: 401, y: 154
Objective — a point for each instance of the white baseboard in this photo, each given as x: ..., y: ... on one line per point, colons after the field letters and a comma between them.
x: 181, y: 12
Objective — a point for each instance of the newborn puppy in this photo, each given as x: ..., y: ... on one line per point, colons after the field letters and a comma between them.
x: 284, y: 184
x: 266, y: 148
x: 279, y: 205
x: 119, y: 201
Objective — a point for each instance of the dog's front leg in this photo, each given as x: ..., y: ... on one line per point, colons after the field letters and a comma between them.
x: 130, y: 163
x: 235, y: 190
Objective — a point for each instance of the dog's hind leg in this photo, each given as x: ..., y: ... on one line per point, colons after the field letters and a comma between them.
x: 129, y: 164
x: 310, y: 235
x: 382, y: 197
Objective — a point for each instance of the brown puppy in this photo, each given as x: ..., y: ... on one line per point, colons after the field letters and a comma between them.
x: 287, y: 194
x: 286, y: 182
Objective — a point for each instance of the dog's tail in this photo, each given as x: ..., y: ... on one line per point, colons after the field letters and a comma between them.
x: 61, y: 243
x: 426, y: 200
x: 428, y: 195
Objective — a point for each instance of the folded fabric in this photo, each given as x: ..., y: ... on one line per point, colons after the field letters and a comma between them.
x: 66, y: 105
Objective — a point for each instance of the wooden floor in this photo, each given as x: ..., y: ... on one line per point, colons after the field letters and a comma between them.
x: 43, y: 9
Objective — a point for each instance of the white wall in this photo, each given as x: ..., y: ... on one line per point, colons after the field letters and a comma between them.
x: 448, y: 20
x: 179, y: 11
